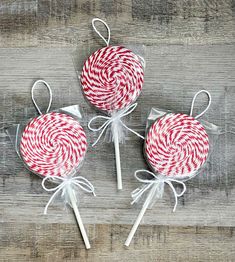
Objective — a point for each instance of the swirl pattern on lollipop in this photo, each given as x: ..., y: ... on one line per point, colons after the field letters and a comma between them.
x: 53, y: 144
x: 112, y: 78
x: 177, y: 145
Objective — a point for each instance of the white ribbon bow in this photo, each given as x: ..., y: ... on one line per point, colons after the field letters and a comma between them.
x: 64, y: 184
x: 159, y: 181
x: 111, y: 119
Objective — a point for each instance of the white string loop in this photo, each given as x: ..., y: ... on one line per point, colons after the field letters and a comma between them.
x: 65, y: 183
x: 96, y: 30
x: 111, y: 119
x: 50, y: 95
x: 194, y: 98
x: 159, y: 182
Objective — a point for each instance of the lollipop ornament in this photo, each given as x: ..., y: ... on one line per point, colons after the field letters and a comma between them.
x: 53, y: 145
x: 112, y: 80
x: 176, y: 147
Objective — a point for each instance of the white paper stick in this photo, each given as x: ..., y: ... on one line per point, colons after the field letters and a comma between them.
x: 78, y: 218
x: 117, y: 156
x: 140, y: 216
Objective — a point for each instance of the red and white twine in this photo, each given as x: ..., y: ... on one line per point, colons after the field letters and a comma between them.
x: 53, y: 144
x: 176, y: 145
x: 112, y: 78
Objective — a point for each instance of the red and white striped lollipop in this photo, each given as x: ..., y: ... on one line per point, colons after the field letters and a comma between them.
x: 53, y: 144
x: 176, y: 145
x: 112, y: 80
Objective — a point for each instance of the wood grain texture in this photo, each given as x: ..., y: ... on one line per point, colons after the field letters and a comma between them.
x: 67, y: 23
x: 60, y: 242
x: 188, y: 46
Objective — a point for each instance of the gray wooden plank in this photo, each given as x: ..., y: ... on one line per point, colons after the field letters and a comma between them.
x: 46, y: 242
x: 66, y: 23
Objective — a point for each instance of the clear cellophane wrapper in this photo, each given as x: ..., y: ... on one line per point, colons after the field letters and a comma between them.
x: 213, y: 132
x: 15, y: 133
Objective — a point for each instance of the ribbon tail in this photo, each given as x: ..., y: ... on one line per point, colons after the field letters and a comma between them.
x: 101, y: 133
x: 176, y: 203
x: 138, y: 192
x: 131, y: 130
x: 175, y: 194
x: 150, y: 196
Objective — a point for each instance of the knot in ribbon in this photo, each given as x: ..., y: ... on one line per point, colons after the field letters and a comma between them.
x: 65, y: 183
x: 112, y: 119
x: 157, y: 188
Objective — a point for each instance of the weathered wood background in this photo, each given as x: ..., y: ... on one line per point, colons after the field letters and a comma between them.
x: 188, y: 45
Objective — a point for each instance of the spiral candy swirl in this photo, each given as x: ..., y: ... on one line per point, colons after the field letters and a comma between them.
x: 112, y: 78
x: 177, y: 145
x: 53, y: 144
